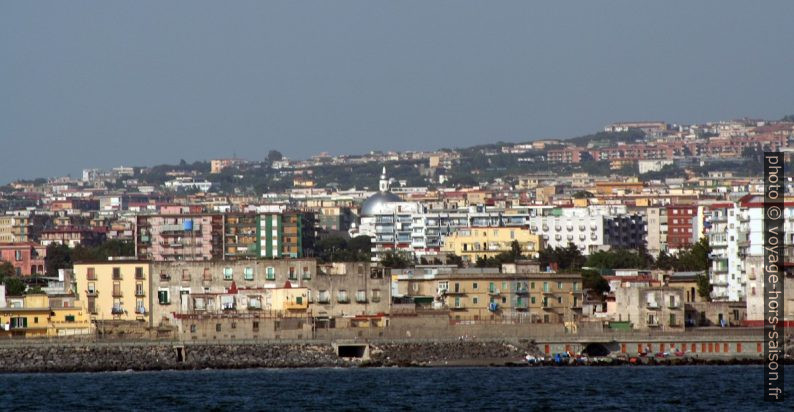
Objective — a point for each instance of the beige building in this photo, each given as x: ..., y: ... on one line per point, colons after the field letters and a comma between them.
x: 15, y: 229
x: 264, y: 291
x: 650, y: 307
x: 115, y: 290
x: 473, y: 243
x: 479, y: 294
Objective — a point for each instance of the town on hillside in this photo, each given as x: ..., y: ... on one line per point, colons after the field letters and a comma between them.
x: 644, y: 226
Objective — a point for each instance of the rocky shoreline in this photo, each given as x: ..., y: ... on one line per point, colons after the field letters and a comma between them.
x: 158, y: 356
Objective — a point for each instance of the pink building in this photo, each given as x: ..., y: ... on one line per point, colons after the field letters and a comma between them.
x: 26, y: 257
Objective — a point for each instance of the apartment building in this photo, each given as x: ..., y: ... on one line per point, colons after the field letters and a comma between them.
x: 27, y: 258
x: 650, y: 307
x: 115, y: 290
x: 35, y: 316
x: 179, y: 237
x: 474, y: 243
x: 72, y: 236
x: 682, y: 226
x: 15, y: 228
x: 247, y: 289
x: 480, y: 294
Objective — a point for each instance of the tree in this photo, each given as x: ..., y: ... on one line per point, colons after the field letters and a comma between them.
x: 566, y: 259
x: 396, y: 260
x: 58, y: 257
x: 664, y: 261
x: 594, y: 281
x: 274, y: 156
x: 704, y: 286
x: 619, y: 259
x: 6, y: 270
x: 453, y: 259
x: 14, y: 286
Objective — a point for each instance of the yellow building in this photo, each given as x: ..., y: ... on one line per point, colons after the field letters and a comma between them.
x: 15, y: 228
x: 114, y: 290
x: 473, y: 243
x: 32, y: 316
x: 289, y: 299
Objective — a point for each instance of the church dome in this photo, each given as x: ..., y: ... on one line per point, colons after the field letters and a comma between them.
x: 375, y: 202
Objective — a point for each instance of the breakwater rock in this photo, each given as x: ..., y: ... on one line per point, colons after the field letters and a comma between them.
x: 435, y: 353
x: 110, y: 357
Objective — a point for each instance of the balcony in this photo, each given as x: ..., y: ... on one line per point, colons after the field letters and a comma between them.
x: 117, y: 310
x: 494, y: 292
x: 673, y: 305
x: 140, y: 293
x: 165, y: 277
x: 117, y: 294
x: 522, y: 291
x: 140, y: 310
x: 653, y: 305
x: 295, y: 306
x: 91, y: 293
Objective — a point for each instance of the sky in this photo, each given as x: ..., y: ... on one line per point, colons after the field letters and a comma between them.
x: 87, y: 84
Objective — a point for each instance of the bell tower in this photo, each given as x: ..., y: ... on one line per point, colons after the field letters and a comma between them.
x: 384, y: 181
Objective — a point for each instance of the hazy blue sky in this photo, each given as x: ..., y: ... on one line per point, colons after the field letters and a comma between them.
x: 104, y: 83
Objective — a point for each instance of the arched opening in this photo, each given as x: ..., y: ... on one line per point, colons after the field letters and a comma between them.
x: 595, y: 349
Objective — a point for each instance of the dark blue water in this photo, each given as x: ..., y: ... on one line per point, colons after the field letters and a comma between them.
x: 717, y: 388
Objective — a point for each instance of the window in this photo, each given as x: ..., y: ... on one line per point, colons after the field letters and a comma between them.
x: 255, y: 326
x: 559, y: 299
x: 207, y: 276
x: 91, y: 273
x: 116, y: 273
x: 116, y: 289
x: 18, y: 255
x: 324, y: 297
x: 443, y: 285
x: 504, y: 299
x: 376, y: 295
x: 69, y: 318
x: 199, y: 304
x: 91, y: 288
x: 162, y: 297
x: 227, y: 302
x: 139, y: 308
x: 474, y: 285
x: 227, y: 273
x: 532, y: 285
x: 457, y: 301
x: 248, y: 273
x: 234, y: 325
x: 341, y: 296
x: 217, y: 327
x: 475, y: 300
x: 559, y: 285
x: 254, y: 302
x: 138, y: 272
x: 185, y: 275
x: 306, y: 274
x: 532, y: 299
x: 292, y: 275
x: 361, y: 296
x: 139, y: 289
x: 193, y: 328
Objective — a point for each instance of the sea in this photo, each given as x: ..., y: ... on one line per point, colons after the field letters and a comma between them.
x: 648, y: 388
